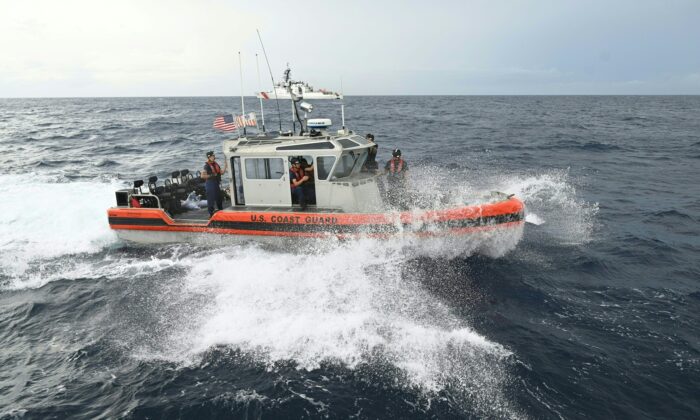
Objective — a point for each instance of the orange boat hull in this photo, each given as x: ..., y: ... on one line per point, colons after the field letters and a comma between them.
x: 460, y: 220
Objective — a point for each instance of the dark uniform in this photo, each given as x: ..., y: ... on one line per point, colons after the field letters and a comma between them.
x: 371, y: 164
x: 310, y: 184
x: 213, y: 185
x: 297, y: 174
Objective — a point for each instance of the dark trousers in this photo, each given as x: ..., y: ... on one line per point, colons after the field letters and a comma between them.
x: 214, y: 196
x: 298, y: 192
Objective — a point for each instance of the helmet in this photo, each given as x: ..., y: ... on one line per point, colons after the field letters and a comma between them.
x: 210, y: 153
x: 396, y: 153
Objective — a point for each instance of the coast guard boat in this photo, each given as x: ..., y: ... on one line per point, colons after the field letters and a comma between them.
x: 291, y: 89
x: 350, y: 201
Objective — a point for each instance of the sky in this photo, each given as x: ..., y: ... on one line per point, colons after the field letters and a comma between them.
x: 81, y: 48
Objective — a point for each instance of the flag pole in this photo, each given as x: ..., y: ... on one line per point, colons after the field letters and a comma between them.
x: 262, y: 112
x: 240, y: 69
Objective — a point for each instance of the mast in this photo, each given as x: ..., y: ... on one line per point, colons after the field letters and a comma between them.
x: 294, y: 106
x: 240, y: 68
x: 342, y: 104
x: 269, y: 69
x: 288, y: 85
x: 262, y: 112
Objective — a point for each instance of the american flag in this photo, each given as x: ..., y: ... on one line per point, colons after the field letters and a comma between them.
x: 247, y: 120
x: 225, y: 123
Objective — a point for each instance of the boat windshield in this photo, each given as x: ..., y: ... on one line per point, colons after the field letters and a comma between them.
x: 359, y: 139
x: 350, y: 163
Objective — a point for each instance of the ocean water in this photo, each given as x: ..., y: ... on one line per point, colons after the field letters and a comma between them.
x: 594, y: 314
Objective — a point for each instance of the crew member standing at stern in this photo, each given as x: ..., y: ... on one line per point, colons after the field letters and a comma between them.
x: 396, y: 170
x: 212, y: 175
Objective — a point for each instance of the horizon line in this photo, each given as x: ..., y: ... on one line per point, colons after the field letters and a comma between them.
x: 377, y: 96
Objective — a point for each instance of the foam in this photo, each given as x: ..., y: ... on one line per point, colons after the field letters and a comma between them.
x: 550, y: 197
x: 44, y: 218
x: 534, y: 219
x: 351, y: 305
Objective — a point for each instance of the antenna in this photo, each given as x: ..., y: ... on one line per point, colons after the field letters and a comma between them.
x: 262, y: 112
x: 240, y: 68
x: 279, y: 114
x: 342, y: 104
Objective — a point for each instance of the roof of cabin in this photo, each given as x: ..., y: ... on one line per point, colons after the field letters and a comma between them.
x: 273, y: 142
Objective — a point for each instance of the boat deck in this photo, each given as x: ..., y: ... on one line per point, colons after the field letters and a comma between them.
x: 201, y: 216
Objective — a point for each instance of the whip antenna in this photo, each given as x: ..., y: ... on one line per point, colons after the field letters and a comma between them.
x: 262, y: 112
x: 342, y: 104
x: 279, y: 114
x: 240, y: 68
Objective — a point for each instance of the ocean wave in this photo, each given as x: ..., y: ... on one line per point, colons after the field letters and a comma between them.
x: 578, y: 145
x: 117, y: 109
x: 102, y: 163
x: 634, y: 118
x: 672, y: 214
x: 113, y: 126
x: 601, y: 147
x: 59, y: 163
x: 325, y: 309
x: 75, y: 222
x: 164, y: 124
x: 78, y: 135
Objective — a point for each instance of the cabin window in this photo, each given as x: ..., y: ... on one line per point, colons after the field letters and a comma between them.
x: 360, y: 140
x: 264, y: 168
x: 347, y: 143
x: 324, y: 164
x: 350, y: 163
x: 345, y: 165
x: 308, y: 146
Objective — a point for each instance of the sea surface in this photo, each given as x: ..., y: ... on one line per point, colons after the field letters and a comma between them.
x: 594, y: 314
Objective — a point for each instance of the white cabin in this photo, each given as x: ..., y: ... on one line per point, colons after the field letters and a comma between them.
x: 260, y: 168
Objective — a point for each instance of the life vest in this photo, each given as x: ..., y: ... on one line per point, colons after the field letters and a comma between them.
x: 298, y: 174
x: 394, y: 168
x: 215, y: 170
x: 135, y: 202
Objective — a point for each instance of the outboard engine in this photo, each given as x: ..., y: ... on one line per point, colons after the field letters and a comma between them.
x: 152, y: 184
x: 137, y: 186
x: 139, y: 198
x: 178, y: 189
x: 198, y: 184
x: 154, y: 188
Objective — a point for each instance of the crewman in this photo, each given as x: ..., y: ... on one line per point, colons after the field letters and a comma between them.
x: 371, y: 164
x: 212, y: 175
x: 396, y: 169
x: 297, y: 179
x: 310, y: 185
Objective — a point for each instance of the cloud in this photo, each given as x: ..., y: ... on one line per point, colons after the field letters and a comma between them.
x: 188, y: 47
x: 120, y: 43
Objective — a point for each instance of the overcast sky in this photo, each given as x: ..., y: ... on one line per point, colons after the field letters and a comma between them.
x: 190, y: 48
